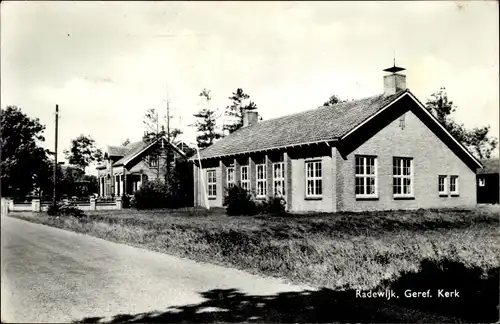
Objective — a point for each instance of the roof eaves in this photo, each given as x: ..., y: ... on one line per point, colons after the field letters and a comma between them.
x: 195, y: 158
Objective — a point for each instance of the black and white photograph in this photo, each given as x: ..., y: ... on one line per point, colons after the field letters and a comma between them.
x: 250, y: 161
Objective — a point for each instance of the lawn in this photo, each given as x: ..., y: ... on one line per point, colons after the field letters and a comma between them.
x: 342, y: 251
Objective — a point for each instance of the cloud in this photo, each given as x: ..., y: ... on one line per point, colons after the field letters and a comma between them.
x: 98, y: 79
x: 105, y: 63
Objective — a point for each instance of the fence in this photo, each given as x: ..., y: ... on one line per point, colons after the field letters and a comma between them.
x: 36, y: 205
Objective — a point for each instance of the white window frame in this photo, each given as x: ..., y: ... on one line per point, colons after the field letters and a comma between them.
x: 455, y: 192
x: 245, y: 179
x: 230, y: 177
x: 212, y: 183
x: 314, y: 178
x: 261, y: 177
x: 444, y: 185
x: 482, y: 182
x: 150, y: 160
x: 365, y: 176
x: 279, y: 178
x: 402, y: 176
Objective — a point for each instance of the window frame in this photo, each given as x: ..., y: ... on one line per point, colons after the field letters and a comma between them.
x: 455, y: 192
x: 150, y: 159
x: 230, y: 183
x: 212, y: 184
x: 261, y: 180
x: 402, y: 176
x: 245, y: 182
x: 313, y: 178
x: 280, y: 179
x: 443, y: 192
x: 366, y: 176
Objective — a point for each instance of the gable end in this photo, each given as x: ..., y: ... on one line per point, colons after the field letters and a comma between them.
x: 357, y: 136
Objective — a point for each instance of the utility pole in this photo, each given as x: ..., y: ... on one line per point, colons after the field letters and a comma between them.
x: 55, y: 159
x: 157, y: 124
x: 168, y: 119
x: 168, y: 137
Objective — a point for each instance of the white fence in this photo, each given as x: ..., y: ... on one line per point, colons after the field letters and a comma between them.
x: 36, y: 205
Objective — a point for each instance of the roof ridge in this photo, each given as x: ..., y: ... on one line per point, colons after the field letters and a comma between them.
x: 313, y: 109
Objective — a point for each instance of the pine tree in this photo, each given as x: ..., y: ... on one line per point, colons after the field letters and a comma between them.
x: 205, y: 124
x: 235, y: 110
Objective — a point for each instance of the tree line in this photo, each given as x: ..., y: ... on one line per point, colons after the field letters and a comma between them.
x: 476, y: 140
x: 231, y: 116
x: 27, y: 168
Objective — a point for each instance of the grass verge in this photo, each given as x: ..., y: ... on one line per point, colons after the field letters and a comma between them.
x: 342, y: 253
x: 337, y: 251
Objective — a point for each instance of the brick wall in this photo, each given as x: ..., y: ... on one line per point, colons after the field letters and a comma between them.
x: 408, y: 137
x: 431, y: 157
x: 299, y: 201
x: 252, y: 176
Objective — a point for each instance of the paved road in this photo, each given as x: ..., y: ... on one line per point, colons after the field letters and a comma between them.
x: 51, y: 275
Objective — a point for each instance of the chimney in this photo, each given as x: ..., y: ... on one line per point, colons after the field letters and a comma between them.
x: 394, y: 82
x: 250, y: 117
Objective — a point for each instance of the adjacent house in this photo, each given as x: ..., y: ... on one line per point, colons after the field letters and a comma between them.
x: 126, y: 168
x: 488, y: 182
x: 377, y: 153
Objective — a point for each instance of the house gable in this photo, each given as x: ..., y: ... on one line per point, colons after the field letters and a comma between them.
x: 405, y: 137
x: 360, y: 134
x: 132, y: 159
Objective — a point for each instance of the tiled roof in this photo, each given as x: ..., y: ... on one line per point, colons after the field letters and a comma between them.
x: 124, y: 152
x: 116, y: 150
x: 323, y: 123
x: 490, y: 166
x: 131, y: 150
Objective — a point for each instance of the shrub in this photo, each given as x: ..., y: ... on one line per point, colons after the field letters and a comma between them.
x: 239, y: 201
x: 133, y: 202
x: 65, y: 209
x: 155, y: 194
x: 275, y: 206
x: 272, y: 206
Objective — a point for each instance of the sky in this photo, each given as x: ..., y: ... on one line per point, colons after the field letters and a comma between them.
x: 106, y: 63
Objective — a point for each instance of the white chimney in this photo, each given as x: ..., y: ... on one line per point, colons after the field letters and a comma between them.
x: 250, y: 117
